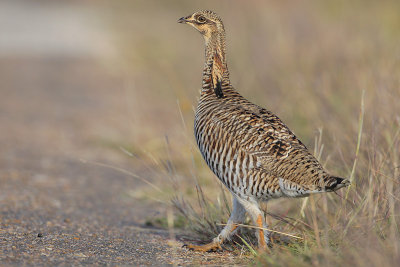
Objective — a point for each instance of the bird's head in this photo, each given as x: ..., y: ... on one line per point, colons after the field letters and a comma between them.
x: 207, y: 22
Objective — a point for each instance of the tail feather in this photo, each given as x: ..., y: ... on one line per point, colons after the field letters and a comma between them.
x: 293, y: 189
x: 335, y: 183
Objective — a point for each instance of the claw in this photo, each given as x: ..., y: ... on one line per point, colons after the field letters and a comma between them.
x: 210, y: 247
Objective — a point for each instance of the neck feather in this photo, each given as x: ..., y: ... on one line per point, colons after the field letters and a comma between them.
x: 215, y: 73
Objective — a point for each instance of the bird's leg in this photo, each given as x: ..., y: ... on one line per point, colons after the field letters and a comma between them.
x: 258, y: 218
x: 237, y: 216
x: 261, y: 237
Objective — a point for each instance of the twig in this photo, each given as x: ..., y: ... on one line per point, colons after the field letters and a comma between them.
x: 261, y: 228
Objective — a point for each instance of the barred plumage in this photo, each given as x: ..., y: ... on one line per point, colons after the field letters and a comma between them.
x: 248, y: 148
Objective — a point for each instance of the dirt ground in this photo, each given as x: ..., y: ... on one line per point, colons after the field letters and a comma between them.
x: 55, y: 206
x: 58, y: 103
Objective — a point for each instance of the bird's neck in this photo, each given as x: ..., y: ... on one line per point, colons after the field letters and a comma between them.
x: 215, y: 73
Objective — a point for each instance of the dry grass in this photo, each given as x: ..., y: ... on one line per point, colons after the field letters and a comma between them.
x: 307, y: 61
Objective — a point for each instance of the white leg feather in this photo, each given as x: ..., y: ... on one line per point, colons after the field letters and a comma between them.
x: 237, y: 216
x: 256, y: 214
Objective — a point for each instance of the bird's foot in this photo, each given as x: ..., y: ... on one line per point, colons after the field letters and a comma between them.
x: 264, y: 245
x: 210, y: 247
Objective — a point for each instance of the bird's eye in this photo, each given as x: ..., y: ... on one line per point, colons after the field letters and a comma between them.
x: 201, y: 19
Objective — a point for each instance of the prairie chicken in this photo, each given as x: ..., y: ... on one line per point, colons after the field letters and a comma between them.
x: 249, y: 149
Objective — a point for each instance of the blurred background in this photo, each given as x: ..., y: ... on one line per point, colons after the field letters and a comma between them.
x: 97, y: 100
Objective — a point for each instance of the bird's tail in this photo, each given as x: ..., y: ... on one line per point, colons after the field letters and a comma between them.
x: 334, y: 183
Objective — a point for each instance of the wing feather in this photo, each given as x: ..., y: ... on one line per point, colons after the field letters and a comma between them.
x: 276, y: 150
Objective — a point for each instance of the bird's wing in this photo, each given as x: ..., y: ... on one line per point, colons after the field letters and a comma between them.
x: 277, y: 150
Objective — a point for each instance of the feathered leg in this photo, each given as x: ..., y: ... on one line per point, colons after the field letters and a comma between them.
x: 237, y: 216
x: 257, y: 215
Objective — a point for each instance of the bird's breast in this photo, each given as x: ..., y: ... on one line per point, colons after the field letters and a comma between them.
x: 221, y: 150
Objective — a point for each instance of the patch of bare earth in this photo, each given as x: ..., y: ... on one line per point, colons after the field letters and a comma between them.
x: 55, y: 208
x: 59, y: 107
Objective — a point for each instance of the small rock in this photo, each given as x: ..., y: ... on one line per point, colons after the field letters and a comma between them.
x: 80, y: 255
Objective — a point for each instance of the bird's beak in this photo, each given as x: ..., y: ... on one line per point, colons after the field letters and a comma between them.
x: 183, y: 20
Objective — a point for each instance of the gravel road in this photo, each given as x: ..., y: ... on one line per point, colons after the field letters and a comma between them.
x: 58, y: 102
